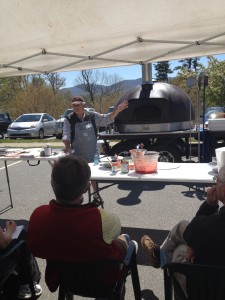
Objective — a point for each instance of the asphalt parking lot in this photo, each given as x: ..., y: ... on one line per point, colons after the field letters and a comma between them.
x: 144, y: 208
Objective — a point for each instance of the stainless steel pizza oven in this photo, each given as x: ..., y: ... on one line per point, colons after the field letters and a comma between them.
x: 154, y: 108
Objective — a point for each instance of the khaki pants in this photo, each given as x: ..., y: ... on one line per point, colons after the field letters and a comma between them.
x: 173, y: 240
x: 174, y: 249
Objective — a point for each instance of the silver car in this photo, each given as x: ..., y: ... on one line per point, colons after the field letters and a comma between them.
x: 33, y: 125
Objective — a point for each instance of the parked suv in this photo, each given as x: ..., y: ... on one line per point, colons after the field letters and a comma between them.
x: 213, y: 112
x: 59, y: 123
x: 5, y: 121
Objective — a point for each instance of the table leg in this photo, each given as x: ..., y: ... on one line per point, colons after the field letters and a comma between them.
x: 51, y: 163
x: 7, y: 176
x: 98, y: 194
x: 198, y: 189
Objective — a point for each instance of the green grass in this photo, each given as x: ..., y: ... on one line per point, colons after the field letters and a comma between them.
x: 13, y: 141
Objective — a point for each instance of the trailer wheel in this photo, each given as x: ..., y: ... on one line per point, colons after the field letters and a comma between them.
x: 167, y: 153
x: 121, y: 150
x: 58, y: 136
x: 2, y: 136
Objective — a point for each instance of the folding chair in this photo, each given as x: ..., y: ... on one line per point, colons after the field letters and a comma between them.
x: 99, y: 279
x: 203, y: 282
x: 10, y: 258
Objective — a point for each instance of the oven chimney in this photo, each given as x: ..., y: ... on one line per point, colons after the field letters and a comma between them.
x: 147, y: 83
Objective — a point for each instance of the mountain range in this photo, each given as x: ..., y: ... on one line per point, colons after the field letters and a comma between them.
x: 127, y: 84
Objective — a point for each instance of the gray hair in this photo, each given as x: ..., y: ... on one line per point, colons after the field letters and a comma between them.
x: 70, y: 178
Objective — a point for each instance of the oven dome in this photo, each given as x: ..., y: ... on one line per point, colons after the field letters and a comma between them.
x: 155, y: 107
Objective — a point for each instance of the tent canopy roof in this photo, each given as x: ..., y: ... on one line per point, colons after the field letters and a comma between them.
x: 57, y: 36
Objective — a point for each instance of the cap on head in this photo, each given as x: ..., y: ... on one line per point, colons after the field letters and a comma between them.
x: 77, y: 100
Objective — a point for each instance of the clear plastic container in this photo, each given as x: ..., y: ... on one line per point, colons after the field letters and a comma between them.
x: 137, y: 152
x: 147, y: 163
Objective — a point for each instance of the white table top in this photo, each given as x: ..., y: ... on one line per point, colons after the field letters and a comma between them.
x: 167, y: 172
x: 32, y: 154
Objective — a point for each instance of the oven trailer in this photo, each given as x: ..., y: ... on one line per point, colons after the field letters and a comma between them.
x: 172, y: 146
x: 161, y: 117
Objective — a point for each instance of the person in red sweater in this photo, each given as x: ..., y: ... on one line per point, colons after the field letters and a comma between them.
x: 66, y: 230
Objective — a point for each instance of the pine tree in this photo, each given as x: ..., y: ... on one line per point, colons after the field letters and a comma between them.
x: 163, y: 69
x: 188, y: 64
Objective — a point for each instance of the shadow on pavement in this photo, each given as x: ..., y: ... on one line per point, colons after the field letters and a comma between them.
x: 136, y: 188
x: 148, y: 295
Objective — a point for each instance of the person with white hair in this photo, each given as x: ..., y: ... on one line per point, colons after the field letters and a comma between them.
x: 200, y: 241
x: 80, y: 131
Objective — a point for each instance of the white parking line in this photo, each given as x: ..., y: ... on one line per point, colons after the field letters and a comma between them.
x: 11, y: 164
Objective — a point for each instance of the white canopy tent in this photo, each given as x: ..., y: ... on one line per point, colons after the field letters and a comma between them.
x: 63, y: 35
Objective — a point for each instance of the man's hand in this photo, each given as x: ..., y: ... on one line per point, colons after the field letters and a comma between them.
x: 67, y: 148
x: 123, y: 105
x: 212, y: 197
x: 190, y: 255
x: 10, y: 227
x: 6, y: 234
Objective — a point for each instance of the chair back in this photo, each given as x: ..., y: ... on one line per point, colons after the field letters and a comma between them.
x: 10, y: 258
x: 90, y: 279
x: 201, y: 282
x: 99, y: 279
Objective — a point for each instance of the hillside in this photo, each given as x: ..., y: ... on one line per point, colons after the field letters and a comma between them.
x: 76, y: 90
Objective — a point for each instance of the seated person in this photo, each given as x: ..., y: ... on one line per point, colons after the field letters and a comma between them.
x: 6, y: 241
x: 65, y: 230
x: 200, y: 241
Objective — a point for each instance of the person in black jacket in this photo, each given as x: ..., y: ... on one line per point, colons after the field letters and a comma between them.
x: 17, y: 283
x: 200, y: 241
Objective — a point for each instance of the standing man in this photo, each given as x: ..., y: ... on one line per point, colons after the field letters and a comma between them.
x: 80, y: 131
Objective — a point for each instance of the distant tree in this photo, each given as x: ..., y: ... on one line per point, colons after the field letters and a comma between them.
x: 101, y: 89
x: 37, y: 80
x: 110, y: 88
x: 9, y: 87
x: 189, y: 64
x: 215, y: 91
x: 56, y: 82
x: 38, y: 99
x: 87, y: 81
x: 163, y: 69
x: 181, y: 81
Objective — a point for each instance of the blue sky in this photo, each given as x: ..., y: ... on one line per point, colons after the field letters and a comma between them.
x: 128, y: 72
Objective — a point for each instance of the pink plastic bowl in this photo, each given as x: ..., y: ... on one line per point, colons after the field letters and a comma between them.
x: 146, y: 163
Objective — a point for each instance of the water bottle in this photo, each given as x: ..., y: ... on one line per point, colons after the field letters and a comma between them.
x: 96, y: 158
